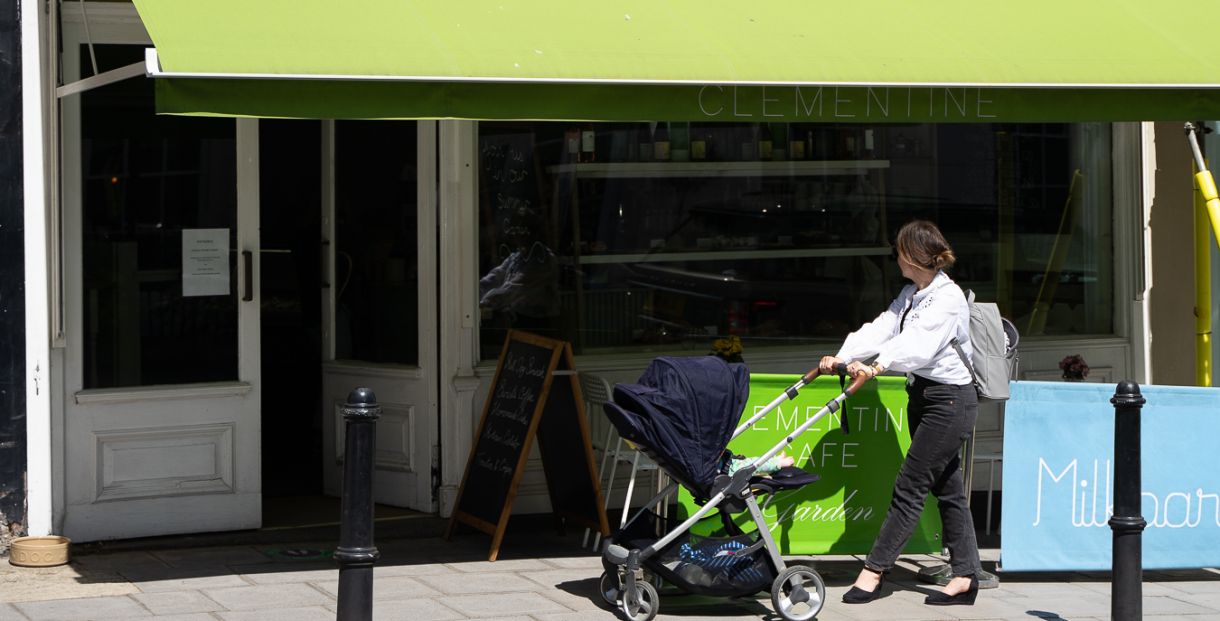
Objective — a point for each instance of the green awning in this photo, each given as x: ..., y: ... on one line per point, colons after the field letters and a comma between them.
x: 867, y: 61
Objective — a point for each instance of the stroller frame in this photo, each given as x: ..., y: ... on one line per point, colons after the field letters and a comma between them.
x: 633, y: 591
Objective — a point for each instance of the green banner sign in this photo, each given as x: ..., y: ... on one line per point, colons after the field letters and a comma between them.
x: 841, y: 513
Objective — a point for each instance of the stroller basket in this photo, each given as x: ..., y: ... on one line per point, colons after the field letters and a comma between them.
x: 714, y: 566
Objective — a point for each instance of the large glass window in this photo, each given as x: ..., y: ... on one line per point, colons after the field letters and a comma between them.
x: 376, y: 270
x: 149, y: 183
x: 660, y: 236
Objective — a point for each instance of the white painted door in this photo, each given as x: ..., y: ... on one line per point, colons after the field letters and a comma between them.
x: 161, y: 428
x: 379, y: 299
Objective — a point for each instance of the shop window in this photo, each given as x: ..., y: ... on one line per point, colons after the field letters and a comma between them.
x: 146, y: 179
x: 658, y: 237
x: 376, y: 272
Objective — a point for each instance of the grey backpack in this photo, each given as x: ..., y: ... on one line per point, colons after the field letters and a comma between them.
x: 995, y: 350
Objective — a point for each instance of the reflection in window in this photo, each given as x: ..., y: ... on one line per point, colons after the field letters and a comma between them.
x: 659, y: 236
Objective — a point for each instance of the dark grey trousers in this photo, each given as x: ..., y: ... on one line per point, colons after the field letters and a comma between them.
x: 941, y: 418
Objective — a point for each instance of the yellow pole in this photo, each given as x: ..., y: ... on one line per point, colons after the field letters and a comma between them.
x: 1203, y: 283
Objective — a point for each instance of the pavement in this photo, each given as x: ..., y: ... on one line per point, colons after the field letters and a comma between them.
x: 538, y: 577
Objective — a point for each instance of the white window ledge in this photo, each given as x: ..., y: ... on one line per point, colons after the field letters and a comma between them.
x: 169, y: 392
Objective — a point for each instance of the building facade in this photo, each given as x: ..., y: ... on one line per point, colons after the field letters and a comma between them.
x: 214, y: 287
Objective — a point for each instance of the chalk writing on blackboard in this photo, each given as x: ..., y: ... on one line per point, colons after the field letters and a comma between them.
x: 521, y: 367
x: 498, y: 466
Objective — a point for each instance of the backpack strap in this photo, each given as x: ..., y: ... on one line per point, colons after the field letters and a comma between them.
x: 957, y: 347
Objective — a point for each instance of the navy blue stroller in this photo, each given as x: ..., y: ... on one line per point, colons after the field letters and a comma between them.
x: 682, y: 415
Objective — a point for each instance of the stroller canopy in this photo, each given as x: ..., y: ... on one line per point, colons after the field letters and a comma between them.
x: 685, y: 410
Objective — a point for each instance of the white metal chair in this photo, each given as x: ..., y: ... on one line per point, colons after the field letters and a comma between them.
x: 595, y: 391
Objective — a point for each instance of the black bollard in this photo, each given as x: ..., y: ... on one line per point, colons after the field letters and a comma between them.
x: 1127, y: 562
x: 356, y: 554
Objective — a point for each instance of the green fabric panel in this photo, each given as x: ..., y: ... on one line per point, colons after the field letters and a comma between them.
x: 841, y: 513
x: 414, y: 100
x: 865, y: 41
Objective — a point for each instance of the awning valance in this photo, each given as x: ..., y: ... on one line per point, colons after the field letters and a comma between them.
x: 870, y: 60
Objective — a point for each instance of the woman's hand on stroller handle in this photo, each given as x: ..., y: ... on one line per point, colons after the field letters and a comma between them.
x: 832, y: 364
x: 860, y: 372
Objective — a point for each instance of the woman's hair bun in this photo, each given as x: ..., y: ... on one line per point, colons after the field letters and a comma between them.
x: 923, y: 242
x: 944, y: 259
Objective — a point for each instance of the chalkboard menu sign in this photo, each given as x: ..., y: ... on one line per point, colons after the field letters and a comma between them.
x: 527, y: 401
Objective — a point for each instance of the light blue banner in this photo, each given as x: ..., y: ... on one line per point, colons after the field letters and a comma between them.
x: 1059, y: 476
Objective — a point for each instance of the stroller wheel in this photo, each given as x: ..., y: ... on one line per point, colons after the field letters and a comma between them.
x: 609, y: 588
x: 798, y: 593
x: 646, y: 605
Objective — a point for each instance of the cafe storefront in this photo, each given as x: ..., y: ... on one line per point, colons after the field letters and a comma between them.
x: 395, y: 187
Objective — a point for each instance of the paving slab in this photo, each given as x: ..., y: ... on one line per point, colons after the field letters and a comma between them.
x: 1206, y: 617
x: 212, y: 557
x: 84, y: 609
x: 503, y: 604
x: 577, y: 562
x: 1091, y: 605
x: 413, y: 610
x: 583, y: 578
x: 460, y: 584
x: 33, y: 584
x: 176, y: 602
x: 390, y: 587
x: 1208, y: 600
x: 1192, y: 586
x: 1178, y: 606
x: 604, y: 614
x: 8, y: 613
x: 716, y: 613
x: 485, y: 566
x: 305, y: 613
x: 1156, y: 589
x: 1013, y: 588
x: 990, y: 608
x: 268, y: 597
x: 286, y: 574
x: 413, y: 569
x: 198, y: 616
x: 174, y: 579
x: 425, y: 547
x: 896, y: 605
x: 579, y: 601
x: 1062, y: 619
x: 118, y: 561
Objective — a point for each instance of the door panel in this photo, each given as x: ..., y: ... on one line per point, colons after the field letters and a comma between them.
x: 161, y: 427
x: 379, y: 308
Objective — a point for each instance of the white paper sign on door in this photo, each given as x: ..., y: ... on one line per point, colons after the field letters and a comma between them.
x: 205, y: 262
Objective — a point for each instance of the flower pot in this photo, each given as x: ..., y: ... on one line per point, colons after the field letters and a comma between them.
x: 39, y: 551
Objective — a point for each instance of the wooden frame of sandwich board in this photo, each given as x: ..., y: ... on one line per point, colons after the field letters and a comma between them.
x: 506, y: 433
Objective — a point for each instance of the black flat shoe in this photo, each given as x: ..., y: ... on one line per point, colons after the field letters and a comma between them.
x: 856, y: 595
x: 965, y: 598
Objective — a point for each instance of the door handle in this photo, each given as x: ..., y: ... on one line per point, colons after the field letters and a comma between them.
x: 247, y: 257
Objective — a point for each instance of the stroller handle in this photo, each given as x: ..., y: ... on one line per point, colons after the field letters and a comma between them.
x: 792, y: 390
x: 840, y: 368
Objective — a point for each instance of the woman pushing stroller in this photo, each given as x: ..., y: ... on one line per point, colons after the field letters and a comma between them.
x: 913, y: 336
